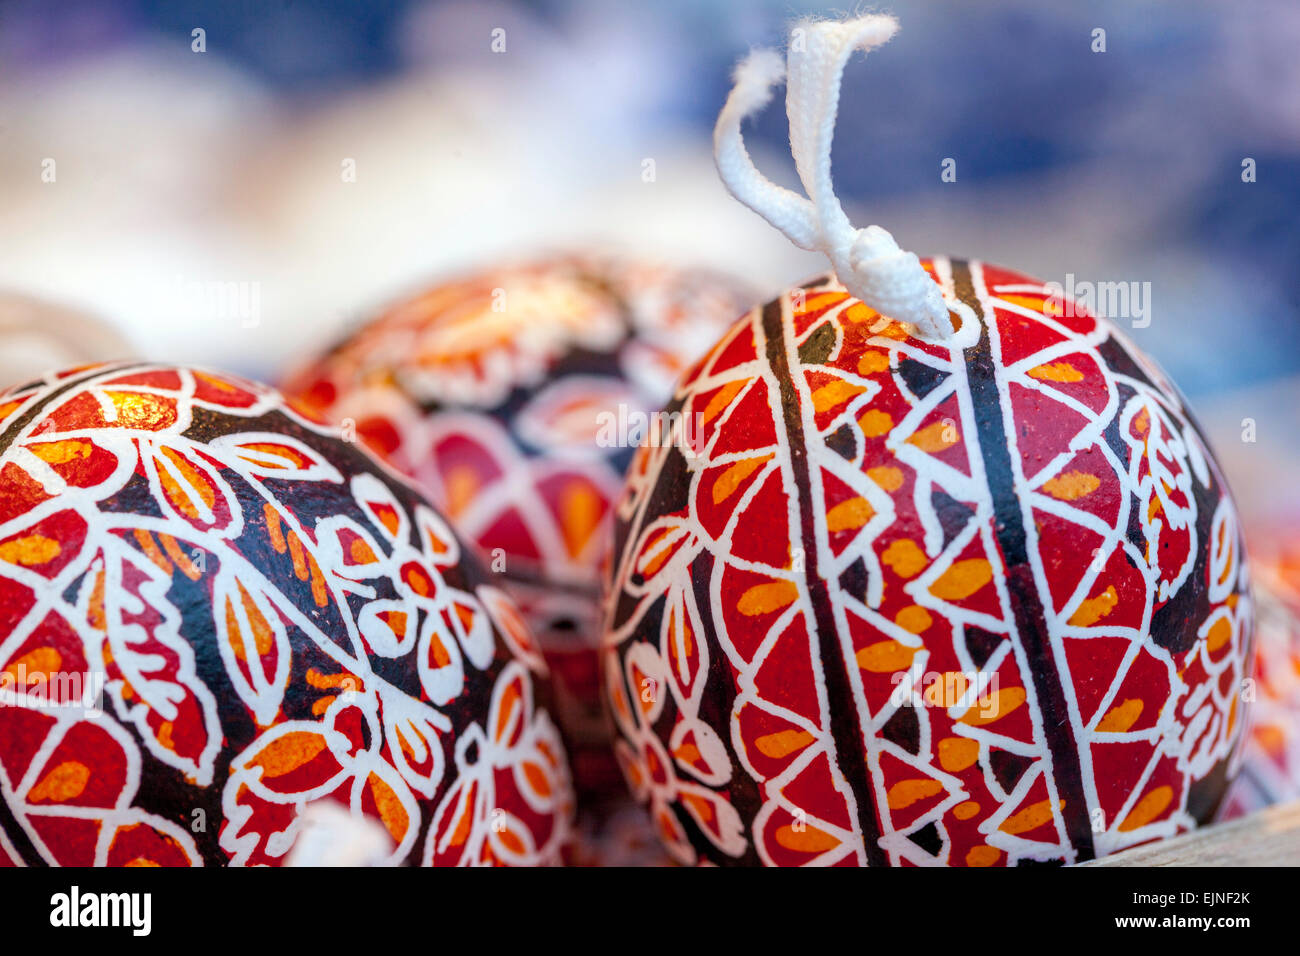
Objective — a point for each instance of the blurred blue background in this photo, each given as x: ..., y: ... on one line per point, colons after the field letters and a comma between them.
x: 178, y: 169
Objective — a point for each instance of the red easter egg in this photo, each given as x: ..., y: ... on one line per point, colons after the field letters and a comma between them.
x: 513, y: 397
x: 880, y: 601
x: 215, y: 613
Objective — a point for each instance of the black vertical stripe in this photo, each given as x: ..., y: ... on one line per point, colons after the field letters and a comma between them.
x: 18, y: 838
x: 1026, y: 604
x: 846, y: 729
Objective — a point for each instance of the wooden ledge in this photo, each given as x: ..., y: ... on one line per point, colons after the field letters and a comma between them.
x: 1268, y: 838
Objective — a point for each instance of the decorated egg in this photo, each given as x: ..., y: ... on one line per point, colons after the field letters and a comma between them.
x: 900, y: 603
x: 926, y: 565
x: 514, y: 398
x: 1270, y: 766
x: 216, y: 615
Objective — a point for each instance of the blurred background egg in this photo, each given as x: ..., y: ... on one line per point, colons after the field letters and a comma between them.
x: 515, y: 398
x: 37, y: 336
x: 1270, y: 769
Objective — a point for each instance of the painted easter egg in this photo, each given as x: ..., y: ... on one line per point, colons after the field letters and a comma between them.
x: 214, y: 614
x: 878, y: 600
x: 1270, y: 766
x: 515, y: 399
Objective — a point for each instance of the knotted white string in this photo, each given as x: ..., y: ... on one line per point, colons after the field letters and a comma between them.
x: 867, y: 261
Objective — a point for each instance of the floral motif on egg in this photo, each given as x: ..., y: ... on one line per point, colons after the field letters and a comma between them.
x: 252, y: 615
x: 882, y: 601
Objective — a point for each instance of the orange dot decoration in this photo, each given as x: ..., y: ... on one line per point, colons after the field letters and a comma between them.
x: 885, y: 600
x: 515, y: 398
x: 215, y: 615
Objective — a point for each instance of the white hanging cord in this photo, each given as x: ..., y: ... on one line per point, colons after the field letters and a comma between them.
x: 867, y: 261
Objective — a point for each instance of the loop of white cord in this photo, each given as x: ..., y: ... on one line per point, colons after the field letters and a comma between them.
x: 867, y: 261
